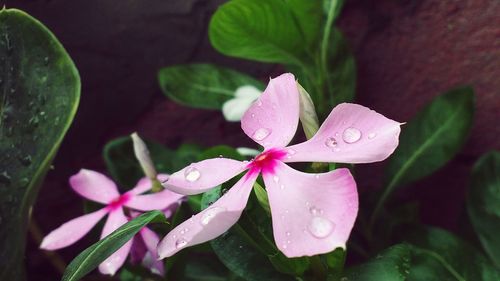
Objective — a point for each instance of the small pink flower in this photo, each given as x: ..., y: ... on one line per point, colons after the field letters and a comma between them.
x: 311, y: 213
x: 99, y: 188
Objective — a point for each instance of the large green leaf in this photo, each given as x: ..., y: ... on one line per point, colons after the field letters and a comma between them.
x: 261, y: 30
x: 440, y: 255
x: 483, y: 203
x: 91, y: 257
x: 392, y: 264
x: 430, y: 139
x: 39, y: 93
x: 125, y: 168
x: 202, y: 85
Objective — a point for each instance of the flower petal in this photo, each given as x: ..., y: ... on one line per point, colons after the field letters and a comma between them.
x: 272, y: 120
x: 145, y: 184
x: 94, y: 186
x: 234, y: 108
x: 155, y: 201
x: 151, y: 259
x: 211, y: 222
x: 72, y: 231
x: 204, y: 175
x: 312, y: 213
x: 351, y: 134
x: 138, y: 250
x: 111, y: 265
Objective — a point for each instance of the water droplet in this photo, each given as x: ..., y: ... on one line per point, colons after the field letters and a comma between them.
x: 46, y: 60
x: 259, y: 102
x: 351, y: 135
x: 180, y: 243
x: 26, y: 160
x: 282, y: 186
x: 261, y: 134
x: 192, y: 174
x: 331, y: 142
x: 5, y: 177
x: 276, y: 179
x: 315, y: 211
x: 316, y: 176
x: 320, y: 227
x: 285, y: 246
x: 288, y: 233
x: 371, y: 135
x: 253, y: 115
x: 211, y: 213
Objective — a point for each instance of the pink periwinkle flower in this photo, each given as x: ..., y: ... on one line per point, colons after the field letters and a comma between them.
x: 311, y: 213
x: 99, y: 188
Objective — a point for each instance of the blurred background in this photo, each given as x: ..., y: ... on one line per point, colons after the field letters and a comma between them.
x: 407, y: 52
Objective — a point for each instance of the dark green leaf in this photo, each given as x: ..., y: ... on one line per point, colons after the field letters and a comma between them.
x: 439, y: 255
x: 430, y: 139
x: 221, y: 151
x: 261, y: 30
x: 126, y: 170
x: 237, y: 250
x: 335, y: 262
x: 203, y: 85
x: 39, y: 94
x: 483, y: 203
x: 308, y: 16
x: 90, y: 258
x: 392, y: 264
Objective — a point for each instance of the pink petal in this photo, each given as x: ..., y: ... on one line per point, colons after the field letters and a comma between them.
x: 154, y: 201
x: 211, y: 222
x: 94, y: 186
x: 145, y: 184
x: 312, y: 213
x: 151, y: 259
x: 111, y: 265
x: 204, y: 175
x: 138, y: 250
x: 272, y: 120
x: 72, y: 231
x: 351, y: 134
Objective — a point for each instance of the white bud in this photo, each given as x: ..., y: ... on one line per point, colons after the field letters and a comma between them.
x: 142, y: 154
x: 308, y: 116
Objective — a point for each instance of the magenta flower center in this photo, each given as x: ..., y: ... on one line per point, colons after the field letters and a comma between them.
x: 266, y: 161
x: 118, y: 202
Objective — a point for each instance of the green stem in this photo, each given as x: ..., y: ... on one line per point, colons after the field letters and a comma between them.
x: 318, y: 268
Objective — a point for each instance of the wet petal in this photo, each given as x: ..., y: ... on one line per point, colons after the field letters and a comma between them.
x: 111, y: 265
x: 151, y: 259
x: 211, y: 222
x: 94, y: 186
x: 351, y: 134
x: 204, y: 175
x: 154, y: 201
x: 312, y: 213
x: 272, y: 120
x: 72, y: 231
x: 145, y: 184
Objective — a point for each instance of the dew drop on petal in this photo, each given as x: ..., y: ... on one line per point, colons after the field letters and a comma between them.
x: 192, y: 174
x: 315, y: 211
x: 261, y: 134
x: 253, y: 115
x: 351, y: 135
x: 211, y: 213
x: 320, y: 227
x: 372, y: 135
x: 180, y: 243
x: 331, y: 142
x: 288, y: 233
x: 290, y: 152
x: 282, y: 186
x: 276, y: 179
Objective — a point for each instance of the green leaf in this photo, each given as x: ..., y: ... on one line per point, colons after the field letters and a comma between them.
x: 392, y: 264
x: 335, y: 261
x: 430, y: 139
x: 91, y: 257
x: 341, y: 70
x: 440, y: 255
x: 238, y: 251
x: 483, y: 203
x: 39, y: 94
x: 260, y: 30
x: 125, y: 168
x: 333, y: 7
x: 308, y: 16
x: 220, y: 151
x: 203, y: 85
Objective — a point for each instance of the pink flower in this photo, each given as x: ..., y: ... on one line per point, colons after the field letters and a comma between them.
x: 99, y: 188
x: 311, y: 213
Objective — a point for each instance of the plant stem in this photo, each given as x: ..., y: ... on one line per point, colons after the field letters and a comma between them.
x: 54, y: 258
x: 318, y: 268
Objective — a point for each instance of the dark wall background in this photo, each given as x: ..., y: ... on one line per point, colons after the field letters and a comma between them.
x: 407, y: 51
